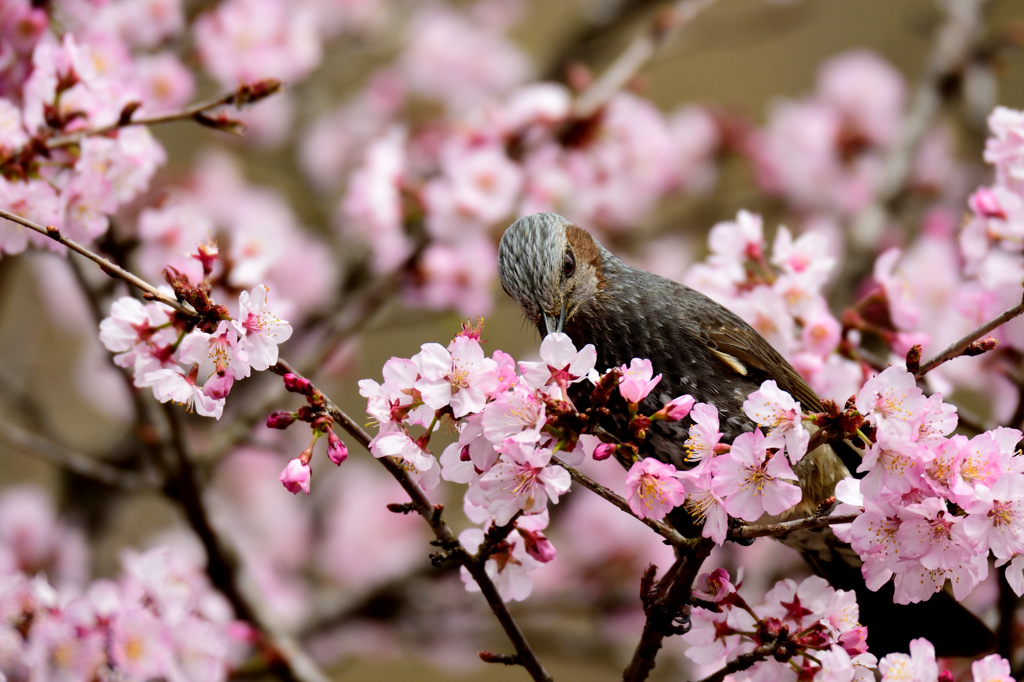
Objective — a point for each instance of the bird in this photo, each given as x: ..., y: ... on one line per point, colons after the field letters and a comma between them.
x: 565, y: 281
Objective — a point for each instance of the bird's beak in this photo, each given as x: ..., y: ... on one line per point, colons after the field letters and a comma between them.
x: 552, y: 324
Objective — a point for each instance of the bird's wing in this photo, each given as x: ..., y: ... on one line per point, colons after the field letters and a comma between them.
x: 761, y: 362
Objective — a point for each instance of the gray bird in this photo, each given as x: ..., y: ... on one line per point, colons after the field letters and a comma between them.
x: 565, y: 281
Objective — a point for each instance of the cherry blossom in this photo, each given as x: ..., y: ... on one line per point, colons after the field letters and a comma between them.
x: 919, y: 665
x: 522, y: 479
x: 772, y: 407
x: 652, y: 489
x: 460, y: 375
x: 637, y: 380
x: 751, y: 482
x: 260, y: 330
x: 704, y: 434
x: 561, y: 364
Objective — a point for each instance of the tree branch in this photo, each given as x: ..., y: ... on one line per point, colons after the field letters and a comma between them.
x: 666, y: 25
x: 744, y: 661
x: 751, y: 531
x: 671, y: 535
x: 149, y: 291
x: 81, y: 464
x: 957, y: 348
x: 445, y: 537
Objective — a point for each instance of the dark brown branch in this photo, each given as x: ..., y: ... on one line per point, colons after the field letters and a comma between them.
x: 666, y: 25
x: 750, y: 531
x: 744, y: 661
x: 671, y: 535
x: 958, y: 348
x: 662, y: 603
x: 446, y: 539
x: 79, y: 463
x: 243, y: 95
x: 150, y: 292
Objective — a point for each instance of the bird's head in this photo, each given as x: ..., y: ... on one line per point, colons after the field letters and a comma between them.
x: 550, y: 267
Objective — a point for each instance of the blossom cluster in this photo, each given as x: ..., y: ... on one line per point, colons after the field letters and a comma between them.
x: 934, y: 505
x: 160, y: 618
x: 818, y: 624
x: 193, y: 364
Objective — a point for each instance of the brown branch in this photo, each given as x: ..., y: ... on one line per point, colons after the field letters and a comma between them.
x: 751, y: 531
x: 954, y: 43
x: 81, y: 464
x: 744, y: 661
x: 662, y: 603
x: 446, y: 539
x: 149, y: 291
x: 671, y: 535
x: 666, y: 25
x: 958, y: 348
x: 245, y: 94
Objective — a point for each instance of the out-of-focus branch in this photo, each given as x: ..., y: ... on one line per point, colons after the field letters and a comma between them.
x: 446, y: 538
x: 286, y: 658
x: 80, y: 463
x: 664, y: 603
x: 952, y: 49
x: 750, y: 531
x: 671, y: 535
x: 666, y: 25
x: 963, y: 346
x: 744, y: 661
x: 150, y: 292
x: 245, y: 94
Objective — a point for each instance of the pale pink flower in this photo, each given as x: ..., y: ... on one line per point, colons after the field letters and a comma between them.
x: 704, y: 434
x: 932, y: 535
x: 456, y: 275
x: 460, y: 375
x: 1005, y: 149
x: 892, y: 400
x: 919, y: 666
x: 714, y: 586
x: 992, y: 668
x: 899, y: 294
x: 752, y: 484
x: 535, y: 542
x: 714, y: 637
x: 704, y: 505
x: 652, y: 489
x: 222, y: 349
x: 800, y: 605
x: 516, y: 414
x: 637, y: 380
x: 873, y: 535
x: 937, y: 420
x: 524, y: 479
x: 261, y: 330
x: 167, y: 84
x: 894, y: 463
x: 393, y: 441
x: 560, y: 364
x: 143, y: 23
x: 772, y: 407
x: 296, y: 476
x: 176, y: 386
x: 821, y: 334
x: 480, y: 183
x: 868, y: 91
x: 509, y: 568
x: 1015, y: 574
x: 995, y: 519
x: 140, y: 644
x: 247, y: 40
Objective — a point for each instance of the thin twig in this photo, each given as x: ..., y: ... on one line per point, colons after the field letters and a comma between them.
x: 744, y: 661
x: 671, y: 535
x: 190, y: 113
x: 150, y: 292
x: 957, y: 348
x: 445, y: 537
x: 666, y: 24
x: 81, y: 464
x: 751, y: 531
x: 951, y: 51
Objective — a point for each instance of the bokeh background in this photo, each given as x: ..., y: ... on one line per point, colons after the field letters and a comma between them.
x: 352, y: 581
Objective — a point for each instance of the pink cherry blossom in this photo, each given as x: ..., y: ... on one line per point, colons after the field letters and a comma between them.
x: 992, y: 668
x: 460, y: 375
x: 393, y: 441
x: 750, y: 482
x: 508, y: 568
x: 222, y: 349
x: 995, y: 519
x: 891, y: 400
x: 260, y: 330
x: 704, y: 505
x: 675, y: 409
x: 522, y: 479
x: 561, y: 364
x: 772, y: 407
x: 714, y: 637
x: 919, y: 666
x: 516, y: 414
x: 704, y: 434
x: 637, y: 380
x: 296, y: 476
x: 175, y: 386
x: 652, y: 489
x: 930, y: 534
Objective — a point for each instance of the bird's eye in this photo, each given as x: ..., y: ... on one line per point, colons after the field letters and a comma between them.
x: 568, y: 264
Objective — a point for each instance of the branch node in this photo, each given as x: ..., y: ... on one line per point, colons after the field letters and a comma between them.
x: 52, y: 232
x: 504, y: 659
x: 402, y: 508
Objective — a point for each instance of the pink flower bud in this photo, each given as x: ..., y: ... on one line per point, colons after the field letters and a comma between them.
x: 295, y: 476
x: 219, y: 385
x: 537, y: 545
x: 604, y: 451
x: 297, y: 384
x: 675, y: 409
x: 336, y: 450
x: 281, y: 419
x: 985, y: 203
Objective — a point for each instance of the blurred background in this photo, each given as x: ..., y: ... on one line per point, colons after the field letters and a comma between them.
x: 370, y: 195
